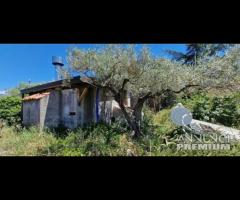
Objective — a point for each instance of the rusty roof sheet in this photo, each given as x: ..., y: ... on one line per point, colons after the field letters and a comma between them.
x: 36, y: 96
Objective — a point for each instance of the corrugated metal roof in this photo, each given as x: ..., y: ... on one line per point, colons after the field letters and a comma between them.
x: 36, y: 96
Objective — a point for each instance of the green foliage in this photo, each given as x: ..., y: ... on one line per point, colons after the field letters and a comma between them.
x: 195, y: 52
x: 163, y: 122
x: 115, y: 63
x: 147, y: 124
x: 202, y: 108
x: 10, y: 108
x: 16, y: 91
x: 224, y: 110
x: 123, y: 67
x: 217, y: 109
x: 10, y: 105
x: 145, y: 74
x: 100, y: 140
x: 94, y: 140
x: 26, y: 142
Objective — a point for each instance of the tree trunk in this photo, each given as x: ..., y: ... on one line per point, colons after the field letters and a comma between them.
x: 134, y: 120
x: 131, y: 122
x: 137, y: 112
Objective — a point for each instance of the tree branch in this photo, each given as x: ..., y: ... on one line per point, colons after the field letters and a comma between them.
x: 142, y: 99
x: 146, y: 96
x: 109, y: 87
x: 125, y: 81
x: 182, y: 89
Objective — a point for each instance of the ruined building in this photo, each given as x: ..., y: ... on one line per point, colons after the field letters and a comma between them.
x: 54, y: 104
x: 70, y: 105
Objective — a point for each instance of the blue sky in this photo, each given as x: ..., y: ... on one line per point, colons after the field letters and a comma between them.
x: 21, y: 62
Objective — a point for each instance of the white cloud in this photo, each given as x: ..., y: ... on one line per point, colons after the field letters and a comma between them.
x: 2, y: 92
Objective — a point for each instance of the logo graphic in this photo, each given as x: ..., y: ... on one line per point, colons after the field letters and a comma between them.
x: 182, y: 117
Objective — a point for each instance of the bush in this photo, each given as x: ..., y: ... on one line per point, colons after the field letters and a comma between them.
x: 10, y: 109
x: 216, y: 109
x: 224, y: 111
x: 202, y: 108
x: 93, y: 140
x: 163, y: 122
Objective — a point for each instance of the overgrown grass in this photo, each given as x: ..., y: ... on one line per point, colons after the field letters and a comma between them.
x: 102, y: 140
x: 27, y: 142
x: 94, y: 140
x: 160, y: 138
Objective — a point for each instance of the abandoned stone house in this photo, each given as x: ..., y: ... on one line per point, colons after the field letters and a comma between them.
x: 70, y: 105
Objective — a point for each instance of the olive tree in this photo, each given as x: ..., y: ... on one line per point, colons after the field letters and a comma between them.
x: 122, y: 67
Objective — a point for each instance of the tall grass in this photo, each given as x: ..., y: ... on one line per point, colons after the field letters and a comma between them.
x: 102, y: 140
x: 27, y: 142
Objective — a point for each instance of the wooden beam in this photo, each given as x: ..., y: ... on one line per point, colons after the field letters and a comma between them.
x: 84, y: 93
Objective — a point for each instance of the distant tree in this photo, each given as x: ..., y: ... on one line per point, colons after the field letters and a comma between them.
x: 120, y: 68
x: 16, y: 91
x: 10, y: 104
x: 196, y: 52
x: 10, y: 108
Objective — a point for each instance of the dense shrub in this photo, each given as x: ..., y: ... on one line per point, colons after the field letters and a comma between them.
x: 224, y: 110
x: 217, y: 109
x: 94, y: 140
x: 202, y: 108
x: 10, y: 109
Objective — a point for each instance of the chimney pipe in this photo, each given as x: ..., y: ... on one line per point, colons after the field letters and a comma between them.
x: 57, y: 61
